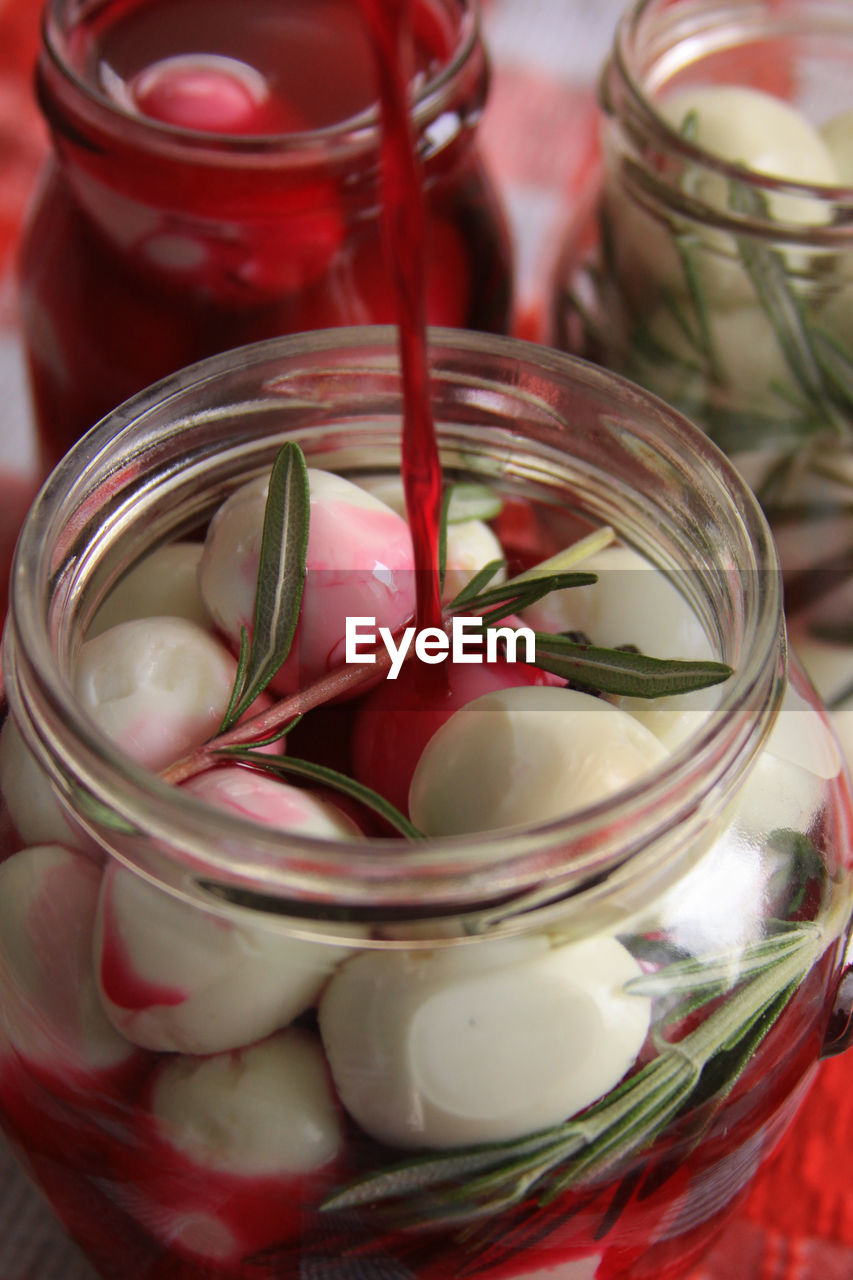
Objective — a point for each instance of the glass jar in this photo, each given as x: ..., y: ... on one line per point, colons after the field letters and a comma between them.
x: 154, y: 244
x: 724, y: 289
x: 705, y: 908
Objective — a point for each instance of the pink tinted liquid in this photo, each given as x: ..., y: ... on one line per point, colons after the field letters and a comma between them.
x: 194, y: 211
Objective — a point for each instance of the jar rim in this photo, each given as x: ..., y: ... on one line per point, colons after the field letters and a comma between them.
x: 356, y: 133
x: 650, y: 128
x: 580, y: 847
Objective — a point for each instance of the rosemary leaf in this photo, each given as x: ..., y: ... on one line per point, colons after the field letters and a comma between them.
x: 476, y: 584
x: 617, y: 1129
x: 690, y: 126
x: 737, y: 431
x: 768, y: 273
x: 239, y: 681
x: 429, y: 1171
x: 714, y: 973
x: 569, y: 557
x: 670, y: 302
x: 520, y: 595
x: 281, y: 573
x: 684, y: 245
x: 835, y: 363
x: 331, y: 778
x: 621, y: 673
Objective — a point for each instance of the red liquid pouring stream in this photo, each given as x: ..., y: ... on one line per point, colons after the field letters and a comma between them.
x: 404, y: 227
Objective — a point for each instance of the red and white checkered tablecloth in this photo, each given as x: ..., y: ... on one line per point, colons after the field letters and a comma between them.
x: 539, y: 136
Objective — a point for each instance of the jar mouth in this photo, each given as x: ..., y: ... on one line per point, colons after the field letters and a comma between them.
x: 645, y: 58
x: 170, y: 835
x: 355, y: 133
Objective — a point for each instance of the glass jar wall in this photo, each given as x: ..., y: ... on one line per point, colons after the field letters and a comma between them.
x: 713, y: 265
x: 215, y: 181
x: 232, y: 1049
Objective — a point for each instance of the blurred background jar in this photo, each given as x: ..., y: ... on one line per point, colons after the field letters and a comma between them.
x: 215, y: 181
x: 687, y: 934
x: 713, y: 262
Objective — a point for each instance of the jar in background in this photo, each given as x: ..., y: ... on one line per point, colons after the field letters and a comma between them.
x: 215, y: 181
x: 671, y: 957
x: 727, y: 290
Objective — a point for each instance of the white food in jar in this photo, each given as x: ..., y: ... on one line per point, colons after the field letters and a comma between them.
x: 256, y: 795
x: 746, y: 363
x: 647, y: 260
x: 156, y: 686
x: 359, y: 562
x: 471, y: 544
x: 837, y: 133
x: 164, y: 583
x: 760, y: 132
x: 487, y: 1043
x: 48, y: 994
x: 262, y: 1111
x: 632, y: 602
x: 30, y: 798
x: 176, y: 978
x: 830, y: 668
x: 786, y: 787
x: 527, y: 755
x: 740, y: 125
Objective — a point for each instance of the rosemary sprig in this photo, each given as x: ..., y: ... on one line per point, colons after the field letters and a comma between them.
x: 494, y: 603
x: 621, y: 672
x: 340, y: 782
x: 685, y: 244
x: 768, y: 273
x: 475, y: 585
x: 700, y: 1068
x: 281, y: 576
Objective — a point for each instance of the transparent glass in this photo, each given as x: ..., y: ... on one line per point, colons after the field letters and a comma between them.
x: 702, y: 912
x: 153, y: 245
x: 723, y: 289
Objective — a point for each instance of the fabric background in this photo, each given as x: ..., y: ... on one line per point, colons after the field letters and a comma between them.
x: 539, y: 136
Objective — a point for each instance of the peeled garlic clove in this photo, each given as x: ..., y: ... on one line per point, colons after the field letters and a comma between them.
x: 30, y: 799
x: 830, y: 668
x: 527, y: 755
x: 631, y: 603
x: 272, y: 802
x: 163, y: 584
x: 800, y: 736
x: 359, y: 564
x: 837, y: 133
x: 156, y: 686
x: 176, y: 978
x: 48, y: 994
x: 240, y: 1141
x: 485, y: 1044
x: 760, y: 132
x: 471, y: 545
x: 264, y: 1110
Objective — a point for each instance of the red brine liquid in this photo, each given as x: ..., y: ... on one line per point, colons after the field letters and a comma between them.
x: 404, y: 221
x: 216, y: 182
